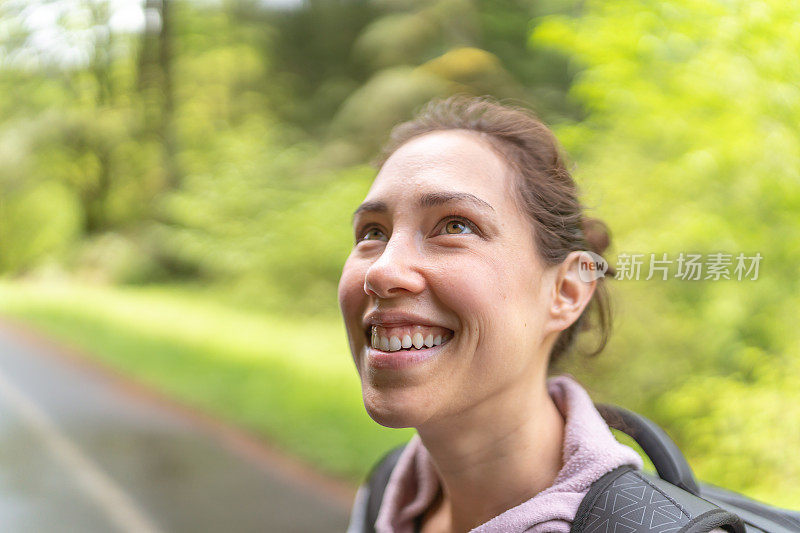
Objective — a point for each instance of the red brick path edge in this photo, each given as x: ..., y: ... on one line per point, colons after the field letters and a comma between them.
x: 239, y: 441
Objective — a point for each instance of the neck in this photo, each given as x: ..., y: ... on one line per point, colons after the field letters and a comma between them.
x: 498, y: 455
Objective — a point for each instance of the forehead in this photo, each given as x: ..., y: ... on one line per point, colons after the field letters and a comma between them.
x: 451, y: 160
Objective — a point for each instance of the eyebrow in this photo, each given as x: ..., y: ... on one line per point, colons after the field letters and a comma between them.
x: 428, y: 200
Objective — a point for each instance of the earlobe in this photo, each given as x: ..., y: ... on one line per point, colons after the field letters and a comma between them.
x: 571, y: 293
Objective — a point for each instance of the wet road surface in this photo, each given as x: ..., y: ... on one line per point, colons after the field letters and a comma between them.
x: 80, y: 453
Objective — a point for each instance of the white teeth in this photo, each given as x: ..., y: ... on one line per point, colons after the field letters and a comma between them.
x: 417, y: 340
x: 394, y: 344
x: 406, y: 341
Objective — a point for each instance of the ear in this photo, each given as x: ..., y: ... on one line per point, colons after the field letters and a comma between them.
x: 571, y: 292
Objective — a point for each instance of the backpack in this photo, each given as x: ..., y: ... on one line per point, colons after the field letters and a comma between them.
x: 627, y: 500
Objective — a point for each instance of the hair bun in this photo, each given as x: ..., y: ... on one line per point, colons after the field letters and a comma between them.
x: 596, y: 234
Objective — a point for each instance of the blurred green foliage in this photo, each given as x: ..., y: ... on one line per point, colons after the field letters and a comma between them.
x: 222, y: 145
x: 690, y: 144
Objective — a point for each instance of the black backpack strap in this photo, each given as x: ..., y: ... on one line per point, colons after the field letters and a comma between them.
x: 665, y: 455
x: 630, y: 501
x: 757, y: 516
x: 376, y: 486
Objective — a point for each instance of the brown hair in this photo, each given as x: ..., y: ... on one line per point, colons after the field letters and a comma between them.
x: 547, y: 192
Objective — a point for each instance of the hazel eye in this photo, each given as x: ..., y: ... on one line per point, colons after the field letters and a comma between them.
x: 373, y: 234
x: 457, y: 226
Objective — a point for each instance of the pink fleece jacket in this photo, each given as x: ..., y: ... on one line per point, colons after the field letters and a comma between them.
x: 590, y: 450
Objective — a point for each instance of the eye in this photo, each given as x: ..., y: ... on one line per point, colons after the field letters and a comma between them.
x: 371, y: 234
x: 457, y: 226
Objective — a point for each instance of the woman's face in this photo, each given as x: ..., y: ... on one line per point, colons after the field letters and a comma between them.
x: 444, y: 298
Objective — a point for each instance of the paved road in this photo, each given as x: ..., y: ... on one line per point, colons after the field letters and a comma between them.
x: 79, y: 453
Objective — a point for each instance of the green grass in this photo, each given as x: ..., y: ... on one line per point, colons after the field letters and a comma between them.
x: 290, y: 380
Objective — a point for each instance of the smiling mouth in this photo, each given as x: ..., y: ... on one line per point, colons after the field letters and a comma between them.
x: 406, y: 338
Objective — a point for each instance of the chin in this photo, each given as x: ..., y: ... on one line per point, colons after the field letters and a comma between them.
x: 395, y: 407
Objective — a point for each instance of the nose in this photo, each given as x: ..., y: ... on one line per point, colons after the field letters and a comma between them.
x: 397, y: 270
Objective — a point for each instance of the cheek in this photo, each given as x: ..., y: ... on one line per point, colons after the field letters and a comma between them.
x: 351, y: 292
x: 497, y: 302
x: 480, y: 284
x: 477, y: 291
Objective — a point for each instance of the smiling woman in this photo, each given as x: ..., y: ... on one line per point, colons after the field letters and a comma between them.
x: 462, y: 286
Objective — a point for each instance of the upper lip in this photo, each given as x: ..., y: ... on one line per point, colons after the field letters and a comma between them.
x: 396, y: 318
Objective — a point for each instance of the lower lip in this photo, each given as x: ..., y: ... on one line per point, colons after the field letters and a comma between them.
x: 401, y: 359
